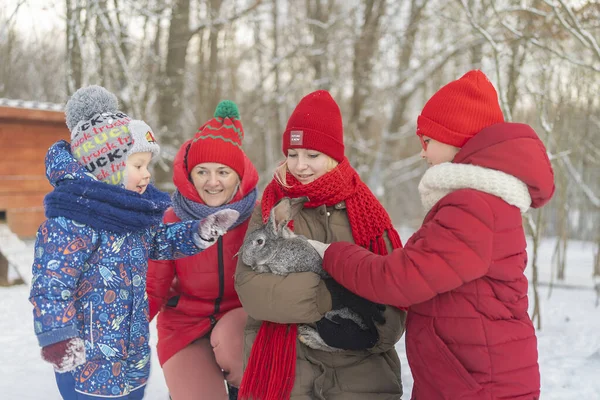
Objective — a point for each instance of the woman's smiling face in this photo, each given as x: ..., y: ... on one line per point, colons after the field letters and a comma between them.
x: 216, y: 183
x: 308, y: 165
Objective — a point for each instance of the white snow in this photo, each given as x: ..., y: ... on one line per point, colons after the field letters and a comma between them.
x: 569, y: 343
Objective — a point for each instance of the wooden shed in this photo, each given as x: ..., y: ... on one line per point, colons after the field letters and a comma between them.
x: 27, y: 129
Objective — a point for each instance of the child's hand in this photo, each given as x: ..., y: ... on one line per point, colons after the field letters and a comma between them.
x: 66, y: 355
x: 215, y: 225
x: 341, y: 297
x: 346, y: 334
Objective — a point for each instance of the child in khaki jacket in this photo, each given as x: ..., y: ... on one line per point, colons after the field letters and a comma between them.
x: 340, y: 208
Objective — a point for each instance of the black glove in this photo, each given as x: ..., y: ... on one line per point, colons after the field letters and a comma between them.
x: 173, y: 301
x: 345, y: 334
x: 366, y: 309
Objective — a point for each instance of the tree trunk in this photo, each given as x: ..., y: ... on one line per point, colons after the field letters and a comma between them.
x: 407, y: 46
x: 171, y: 91
x: 3, y: 271
x: 365, y: 49
x: 535, y: 229
x: 318, y: 12
x: 75, y: 63
x: 276, y: 106
x: 213, y: 96
x: 101, y: 40
x: 518, y: 53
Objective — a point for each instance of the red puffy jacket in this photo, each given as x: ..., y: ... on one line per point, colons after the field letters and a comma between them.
x: 201, y: 286
x: 468, y: 333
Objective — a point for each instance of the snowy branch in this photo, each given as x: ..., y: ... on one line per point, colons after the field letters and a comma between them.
x: 585, y: 188
x: 566, y: 163
x: 224, y: 21
x: 12, y: 16
x: 498, y: 50
x: 578, y: 31
x: 575, y: 30
x: 134, y: 103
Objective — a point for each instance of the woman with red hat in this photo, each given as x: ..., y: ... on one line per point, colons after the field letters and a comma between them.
x: 461, y: 274
x: 340, y: 208
x: 200, y: 319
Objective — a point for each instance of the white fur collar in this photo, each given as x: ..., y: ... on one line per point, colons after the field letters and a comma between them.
x: 445, y: 178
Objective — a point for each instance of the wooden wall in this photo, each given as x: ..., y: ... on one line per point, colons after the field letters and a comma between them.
x: 25, y: 136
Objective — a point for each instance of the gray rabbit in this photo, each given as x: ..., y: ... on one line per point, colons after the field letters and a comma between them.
x: 276, y: 249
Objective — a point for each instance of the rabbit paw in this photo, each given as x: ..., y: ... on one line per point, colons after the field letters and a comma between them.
x: 347, y: 313
x: 310, y: 338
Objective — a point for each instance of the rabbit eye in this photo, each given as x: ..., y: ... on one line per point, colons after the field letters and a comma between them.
x: 260, y: 241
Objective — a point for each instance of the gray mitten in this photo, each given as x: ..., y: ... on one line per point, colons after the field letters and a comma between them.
x: 213, y: 226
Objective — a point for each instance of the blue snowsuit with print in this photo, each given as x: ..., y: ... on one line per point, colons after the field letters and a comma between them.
x: 91, y: 283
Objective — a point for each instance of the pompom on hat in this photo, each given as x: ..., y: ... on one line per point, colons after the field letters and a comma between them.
x: 316, y: 124
x: 219, y: 140
x: 102, y: 137
x: 460, y: 110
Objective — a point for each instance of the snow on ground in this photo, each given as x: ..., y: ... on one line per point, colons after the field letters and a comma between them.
x: 569, y: 342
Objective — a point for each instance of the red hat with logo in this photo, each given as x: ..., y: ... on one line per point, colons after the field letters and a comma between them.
x: 316, y: 124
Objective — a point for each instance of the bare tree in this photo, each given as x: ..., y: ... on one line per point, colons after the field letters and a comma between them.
x: 365, y: 51
x: 74, y: 70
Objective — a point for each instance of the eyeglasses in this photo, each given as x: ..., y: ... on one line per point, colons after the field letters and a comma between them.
x: 424, y: 142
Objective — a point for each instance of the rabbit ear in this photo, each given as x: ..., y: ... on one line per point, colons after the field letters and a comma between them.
x: 280, y: 214
x: 284, y: 211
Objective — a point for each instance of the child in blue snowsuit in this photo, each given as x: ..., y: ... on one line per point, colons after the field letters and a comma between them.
x: 89, y: 273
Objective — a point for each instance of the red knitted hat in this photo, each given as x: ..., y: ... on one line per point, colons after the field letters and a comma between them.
x: 316, y: 124
x: 461, y: 109
x: 219, y: 140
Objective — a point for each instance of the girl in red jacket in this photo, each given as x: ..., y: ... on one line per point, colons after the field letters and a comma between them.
x: 200, y: 319
x: 468, y: 334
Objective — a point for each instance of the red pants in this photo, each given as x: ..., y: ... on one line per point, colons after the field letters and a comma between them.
x: 198, y: 371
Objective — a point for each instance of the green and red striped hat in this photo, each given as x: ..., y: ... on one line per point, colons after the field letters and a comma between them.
x: 219, y: 140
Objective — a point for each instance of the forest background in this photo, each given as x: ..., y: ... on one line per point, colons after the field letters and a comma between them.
x: 171, y: 61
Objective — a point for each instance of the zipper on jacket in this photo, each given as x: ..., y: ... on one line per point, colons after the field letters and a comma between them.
x: 91, y: 323
x: 221, y: 278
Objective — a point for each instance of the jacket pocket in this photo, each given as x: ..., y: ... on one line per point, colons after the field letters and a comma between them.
x: 437, y: 367
x: 107, y: 322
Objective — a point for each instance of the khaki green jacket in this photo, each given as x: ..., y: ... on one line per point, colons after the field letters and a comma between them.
x: 303, y: 298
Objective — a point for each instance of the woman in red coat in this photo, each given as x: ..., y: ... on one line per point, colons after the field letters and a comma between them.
x: 200, y: 319
x: 468, y: 334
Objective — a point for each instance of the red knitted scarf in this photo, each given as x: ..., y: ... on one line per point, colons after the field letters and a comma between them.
x: 272, y: 364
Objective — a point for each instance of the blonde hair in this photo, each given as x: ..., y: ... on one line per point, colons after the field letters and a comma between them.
x: 282, y: 169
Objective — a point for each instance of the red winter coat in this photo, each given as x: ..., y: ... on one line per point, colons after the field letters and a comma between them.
x: 203, y: 283
x: 461, y: 274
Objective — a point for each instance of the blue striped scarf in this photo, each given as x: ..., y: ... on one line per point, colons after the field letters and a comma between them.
x: 187, y: 209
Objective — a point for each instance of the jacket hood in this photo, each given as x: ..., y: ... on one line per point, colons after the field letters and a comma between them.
x: 62, y: 166
x: 187, y: 188
x: 517, y: 150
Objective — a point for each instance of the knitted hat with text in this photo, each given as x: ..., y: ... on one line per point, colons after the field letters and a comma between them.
x: 102, y: 137
x: 460, y: 109
x: 219, y: 140
x: 316, y: 124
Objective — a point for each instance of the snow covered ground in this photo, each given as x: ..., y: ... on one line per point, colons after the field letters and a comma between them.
x: 569, y: 342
